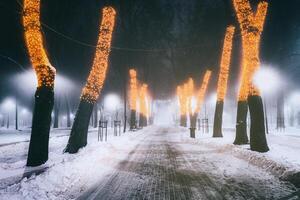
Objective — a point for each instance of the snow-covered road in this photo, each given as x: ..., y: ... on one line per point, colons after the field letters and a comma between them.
x: 166, y: 164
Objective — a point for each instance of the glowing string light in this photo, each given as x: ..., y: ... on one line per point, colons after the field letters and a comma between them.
x: 143, y: 100
x: 225, y: 63
x: 185, y: 99
x: 95, y: 81
x: 202, y: 91
x: 251, y: 25
x: 34, y: 42
x: 190, y: 94
x: 133, y: 89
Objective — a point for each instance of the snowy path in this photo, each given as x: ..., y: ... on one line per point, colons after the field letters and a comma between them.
x: 168, y: 165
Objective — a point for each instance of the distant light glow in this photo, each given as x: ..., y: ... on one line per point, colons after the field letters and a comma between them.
x: 24, y: 111
x: 8, y: 104
x: 111, y: 102
x: 267, y: 80
x: 294, y: 99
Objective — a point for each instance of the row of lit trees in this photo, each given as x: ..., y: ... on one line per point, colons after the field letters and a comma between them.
x: 138, y: 93
x: 190, y: 102
x: 44, y: 97
x: 251, y: 26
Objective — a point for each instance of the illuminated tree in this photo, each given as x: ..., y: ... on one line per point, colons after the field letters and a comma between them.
x: 133, y: 98
x: 200, y: 97
x: 143, y: 105
x: 184, y: 105
x: 95, y: 81
x: 44, y: 96
x: 251, y: 25
x: 222, y: 81
x: 194, y: 104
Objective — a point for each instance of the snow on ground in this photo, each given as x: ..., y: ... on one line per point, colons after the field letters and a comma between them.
x: 68, y: 174
x: 282, y: 160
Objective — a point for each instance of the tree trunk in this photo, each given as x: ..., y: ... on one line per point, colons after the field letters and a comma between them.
x: 183, y: 120
x: 280, y: 111
x: 41, y: 122
x: 132, y: 119
x: 241, y: 124
x: 258, y: 140
x: 79, y: 132
x: 143, y: 120
x: 125, y: 102
x: 193, y: 122
x: 68, y: 113
x: 217, y: 132
x: 17, y: 117
x: 292, y: 117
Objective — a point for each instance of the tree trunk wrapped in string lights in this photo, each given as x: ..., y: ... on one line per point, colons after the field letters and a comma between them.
x: 251, y: 25
x: 190, y: 108
x: 95, y: 81
x: 222, y: 81
x: 44, y: 95
x: 183, y: 117
x: 199, y: 101
x: 133, y: 98
x: 143, y: 105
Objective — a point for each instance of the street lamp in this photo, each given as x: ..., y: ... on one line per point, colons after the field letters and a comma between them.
x: 268, y: 80
x: 111, y: 102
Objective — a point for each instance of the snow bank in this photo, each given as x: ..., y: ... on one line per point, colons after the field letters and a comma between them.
x: 67, y: 174
x: 282, y: 160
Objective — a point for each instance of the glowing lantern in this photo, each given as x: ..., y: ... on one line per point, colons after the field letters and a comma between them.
x: 97, y: 75
x: 251, y: 25
x: 34, y: 42
x: 225, y: 62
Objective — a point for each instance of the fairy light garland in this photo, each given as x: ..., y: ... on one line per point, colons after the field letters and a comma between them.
x: 133, y: 89
x: 34, y: 43
x: 95, y: 81
x: 185, y: 98
x: 225, y: 63
x: 251, y: 25
x: 202, y: 91
x: 143, y: 100
x: 190, y: 89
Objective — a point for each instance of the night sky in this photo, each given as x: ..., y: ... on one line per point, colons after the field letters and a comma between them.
x: 165, y: 40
